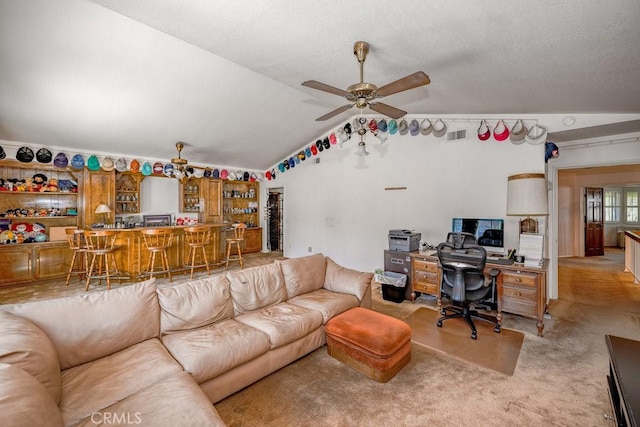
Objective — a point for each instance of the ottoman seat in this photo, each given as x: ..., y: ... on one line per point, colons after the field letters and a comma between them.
x: 370, y: 342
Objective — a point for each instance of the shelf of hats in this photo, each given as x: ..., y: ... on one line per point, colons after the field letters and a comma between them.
x: 36, y: 198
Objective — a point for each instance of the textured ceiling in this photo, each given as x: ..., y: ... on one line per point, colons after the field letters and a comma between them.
x: 134, y: 77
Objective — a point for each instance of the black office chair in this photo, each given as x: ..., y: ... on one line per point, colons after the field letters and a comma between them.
x: 460, y: 239
x: 463, y: 282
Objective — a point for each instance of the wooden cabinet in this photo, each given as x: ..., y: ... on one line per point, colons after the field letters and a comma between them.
x: 213, y: 201
x: 99, y: 188
x: 190, y: 197
x: 24, y: 263
x: 128, y: 192
x: 241, y: 202
x: 424, y: 276
x: 521, y: 290
x: 15, y: 264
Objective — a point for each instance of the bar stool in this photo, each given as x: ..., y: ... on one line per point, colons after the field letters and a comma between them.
x: 238, y: 239
x: 75, y: 237
x: 101, y: 247
x: 158, y: 240
x: 197, y: 237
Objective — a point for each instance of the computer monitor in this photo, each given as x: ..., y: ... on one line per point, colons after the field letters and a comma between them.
x: 489, y: 232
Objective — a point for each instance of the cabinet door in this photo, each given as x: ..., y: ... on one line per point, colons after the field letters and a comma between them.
x: 15, y: 265
x: 53, y: 261
x: 253, y: 240
x: 99, y: 188
x: 213, y: 201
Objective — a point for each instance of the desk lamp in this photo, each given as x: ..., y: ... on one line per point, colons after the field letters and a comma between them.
x: 104, y: 210
x: 527, y: 196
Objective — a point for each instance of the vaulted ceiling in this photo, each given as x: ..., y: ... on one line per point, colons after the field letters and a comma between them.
x: 136, y: 76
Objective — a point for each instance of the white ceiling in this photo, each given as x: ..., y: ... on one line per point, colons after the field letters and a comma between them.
x: 136, y: 76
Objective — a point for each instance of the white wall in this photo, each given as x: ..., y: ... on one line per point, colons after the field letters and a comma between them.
x: 340, y: 207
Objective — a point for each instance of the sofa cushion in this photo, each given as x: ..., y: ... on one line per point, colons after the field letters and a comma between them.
x: 176, y: 401
x: 24, y: 345
x: 330, y: 304
x: 194, y: 304
x: 257, y: 287
x: 95, y: 385
x: 345, y: 280
x: 283, y: 323
x: 24, y: 401
x: 304, y: 274
x: 90, y: 326
x: 210, y: 351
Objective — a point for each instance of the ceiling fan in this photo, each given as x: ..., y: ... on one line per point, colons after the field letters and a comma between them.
x: 364, y: 94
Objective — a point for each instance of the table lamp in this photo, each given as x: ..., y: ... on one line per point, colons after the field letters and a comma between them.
x: 527, y: 197
x: 104, y: 210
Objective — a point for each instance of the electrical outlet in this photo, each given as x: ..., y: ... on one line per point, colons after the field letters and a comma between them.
x: 310, y: 250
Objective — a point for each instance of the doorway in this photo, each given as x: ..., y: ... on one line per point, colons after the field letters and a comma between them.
x: 275, y: 219
x: 594, y: 221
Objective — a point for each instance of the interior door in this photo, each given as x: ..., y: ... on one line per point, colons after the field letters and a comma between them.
x: 594, y: 222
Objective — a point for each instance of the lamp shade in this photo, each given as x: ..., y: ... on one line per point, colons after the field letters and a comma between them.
x: 103, y: 209
x: 527, y: 195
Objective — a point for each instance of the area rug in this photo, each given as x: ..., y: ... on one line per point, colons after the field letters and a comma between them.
x: 499, y: 352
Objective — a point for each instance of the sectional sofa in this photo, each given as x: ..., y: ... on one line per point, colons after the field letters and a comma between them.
x: 162, y: 355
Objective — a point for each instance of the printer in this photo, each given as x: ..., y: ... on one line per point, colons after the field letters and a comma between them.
x: 404, y: 240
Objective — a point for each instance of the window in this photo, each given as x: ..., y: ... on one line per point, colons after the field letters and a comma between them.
x: 632, y: 206
x: 612, y: 205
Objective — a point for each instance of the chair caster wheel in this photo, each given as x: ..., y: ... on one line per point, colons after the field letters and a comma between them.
x: 496, y: 329
x: 439, y: 324
x: 474, y: 336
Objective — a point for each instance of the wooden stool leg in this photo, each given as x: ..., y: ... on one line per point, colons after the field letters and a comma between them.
x: 166, y: 265
x: 192, y: 252
x: 106, y: 269
x: 206, y: 261
x: 239, y: 254
x: 73, y: 263
x: 228, y: 254
x: 115, y: 267
x: 93, y: 261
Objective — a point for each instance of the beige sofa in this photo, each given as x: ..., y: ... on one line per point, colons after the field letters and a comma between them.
x: 161, y: 355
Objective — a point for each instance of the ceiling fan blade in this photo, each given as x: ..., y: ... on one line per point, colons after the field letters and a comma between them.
x: 325, y: 87
x: 334, y: 113
x: 387, y: 110
x: 409, y: 82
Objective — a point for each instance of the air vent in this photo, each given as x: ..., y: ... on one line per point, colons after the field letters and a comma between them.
x: 456, y: 135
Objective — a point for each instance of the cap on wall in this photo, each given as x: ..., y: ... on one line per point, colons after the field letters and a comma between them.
x: 518, y: 132
x: 382, y: 125
x: 168, y: 170
x: 134, y: 166
x: 501, y: 131
x: 93, y: 164
x: 414, y: 127
x: 61, y: 160
x: 403, y: 128
x: 44, y: 155
x: 483, y: 131
x: 393, y: 127
x: 158, y: 168
x: 426, y: 127
x: 77, y: 161
x: 146, y: 169
x: 536, y: 135
x: 24, y: 154
x: 439, y: 128
x: 107, y: 164
x: 121, y: 164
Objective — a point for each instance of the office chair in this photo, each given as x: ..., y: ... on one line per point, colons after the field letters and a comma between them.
x: 463, y: 281
x: 460, y: 239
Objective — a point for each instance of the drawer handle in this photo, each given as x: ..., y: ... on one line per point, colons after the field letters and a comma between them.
x: 518, y: 294
x: 518, y: 280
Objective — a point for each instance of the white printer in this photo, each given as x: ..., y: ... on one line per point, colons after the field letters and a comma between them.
x: 404, y: 240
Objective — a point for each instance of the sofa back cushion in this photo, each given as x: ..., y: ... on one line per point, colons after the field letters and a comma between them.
x: 25, y: 346
x: 24, y: 401
x: 194, y: 304
x: 257, y: 287
x: 90, y: 326
x: 346, y: 281
x: 304, y: 274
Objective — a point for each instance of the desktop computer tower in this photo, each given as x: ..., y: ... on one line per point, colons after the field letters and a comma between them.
x: 399, y: 262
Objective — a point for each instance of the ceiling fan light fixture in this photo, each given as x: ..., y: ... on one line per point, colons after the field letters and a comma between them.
x: 362, y: 150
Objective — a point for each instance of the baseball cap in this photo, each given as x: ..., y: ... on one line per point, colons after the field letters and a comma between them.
x: 61, y: 160
x: 414, y: 127
x: 44, y: 155
x: 24, y: 154
x: 500, y: 132
x: 107, y: 164
x: 121, y: 164
x: 483, y: 131
x: 77, y: 161
x: 92, y: 163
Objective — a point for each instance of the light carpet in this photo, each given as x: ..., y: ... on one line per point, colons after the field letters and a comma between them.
x: 490, y: 350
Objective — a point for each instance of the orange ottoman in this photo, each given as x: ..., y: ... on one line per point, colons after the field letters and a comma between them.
x: 370, y: 342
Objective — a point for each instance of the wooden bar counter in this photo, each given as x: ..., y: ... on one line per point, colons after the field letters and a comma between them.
x: 132, y: 255
x: 632, y: 254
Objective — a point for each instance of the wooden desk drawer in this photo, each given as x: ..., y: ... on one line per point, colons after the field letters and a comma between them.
x: 424, y: 287
x: 424, y: 265
x: 519, y: 300
x: 519, y: 278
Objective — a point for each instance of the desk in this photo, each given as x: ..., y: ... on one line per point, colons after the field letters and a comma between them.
x: 520, y: 290
x: 624, y: 379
